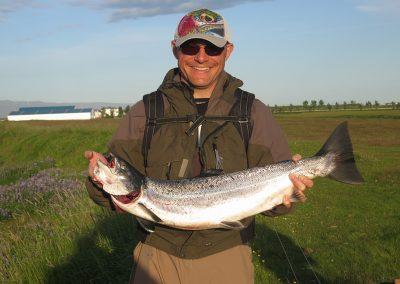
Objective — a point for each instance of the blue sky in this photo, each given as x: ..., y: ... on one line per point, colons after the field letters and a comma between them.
x: 117, y: 50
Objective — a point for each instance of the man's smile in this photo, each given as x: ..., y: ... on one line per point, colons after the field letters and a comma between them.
x: 201, y: 68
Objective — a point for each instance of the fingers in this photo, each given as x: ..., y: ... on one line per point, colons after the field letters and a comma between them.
x: 297, y: 182
x: 300, y: 184
x: 306, y: 181
x: 88, y: 154
x: 102, y: 158
x: 296, y: 158
x: 93, y: 157
x: 286, y: 201
x: 299, y: 195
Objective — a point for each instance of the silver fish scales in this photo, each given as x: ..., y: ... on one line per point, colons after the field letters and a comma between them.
x: 222, y: 201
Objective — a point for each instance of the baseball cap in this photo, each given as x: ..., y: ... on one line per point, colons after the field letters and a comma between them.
x: 203, y: 24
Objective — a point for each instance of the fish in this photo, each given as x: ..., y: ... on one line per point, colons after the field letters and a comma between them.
x: 223, y: 201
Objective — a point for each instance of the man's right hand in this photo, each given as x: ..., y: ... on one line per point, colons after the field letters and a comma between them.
x: 93, y: 157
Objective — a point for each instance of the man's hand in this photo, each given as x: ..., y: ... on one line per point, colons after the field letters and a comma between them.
x: 93, y: 157
x: 300, y: 184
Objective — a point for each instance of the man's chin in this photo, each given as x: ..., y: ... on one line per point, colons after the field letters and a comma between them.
x: 200, y: 87
x: 201, y: 84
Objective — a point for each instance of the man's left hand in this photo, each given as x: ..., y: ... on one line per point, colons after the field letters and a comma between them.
x: 300, y: 184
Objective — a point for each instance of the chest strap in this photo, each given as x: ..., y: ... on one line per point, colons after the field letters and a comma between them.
x: 239, y: 115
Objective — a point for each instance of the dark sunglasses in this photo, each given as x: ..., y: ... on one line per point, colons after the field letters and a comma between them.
x: 191, y: 48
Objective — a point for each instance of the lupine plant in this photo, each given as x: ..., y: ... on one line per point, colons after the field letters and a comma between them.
x: 34, y: 191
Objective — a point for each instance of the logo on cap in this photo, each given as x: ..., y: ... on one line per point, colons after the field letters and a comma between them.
x: 204, y: 24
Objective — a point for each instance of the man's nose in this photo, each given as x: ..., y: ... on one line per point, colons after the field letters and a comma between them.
x: 201, y: 56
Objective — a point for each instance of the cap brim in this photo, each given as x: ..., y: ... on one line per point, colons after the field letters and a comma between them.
x: 220, y: 42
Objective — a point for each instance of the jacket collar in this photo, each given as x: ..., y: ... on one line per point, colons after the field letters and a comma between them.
x: 176, y: 88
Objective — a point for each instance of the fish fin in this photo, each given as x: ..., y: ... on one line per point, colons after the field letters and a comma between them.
x: 233, y: 225
x: 154, y: 216
x: 148, y: 226
x: 297, y: 197
x: 339, y: 143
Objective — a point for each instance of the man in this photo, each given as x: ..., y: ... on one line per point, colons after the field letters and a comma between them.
x: 198, y: 122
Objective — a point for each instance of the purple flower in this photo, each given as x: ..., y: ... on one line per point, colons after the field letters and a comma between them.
x: 35, y: 189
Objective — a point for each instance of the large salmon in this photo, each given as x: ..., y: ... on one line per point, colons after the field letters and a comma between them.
x: 222, y: 201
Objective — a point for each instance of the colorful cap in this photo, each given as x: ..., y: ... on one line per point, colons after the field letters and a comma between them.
x: 203, y: 24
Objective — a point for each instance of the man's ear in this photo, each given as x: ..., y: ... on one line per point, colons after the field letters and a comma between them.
x: 174, y: 49
x: 229, y: 50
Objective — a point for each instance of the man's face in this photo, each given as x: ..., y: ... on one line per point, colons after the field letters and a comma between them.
x: 201, y: 69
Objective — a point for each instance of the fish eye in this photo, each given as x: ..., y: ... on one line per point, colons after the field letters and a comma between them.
x: 122, y: 166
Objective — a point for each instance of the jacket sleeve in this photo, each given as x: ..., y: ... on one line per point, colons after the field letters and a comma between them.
x: 126, y: 143
x: 267, y: 145
x: 99, y: 196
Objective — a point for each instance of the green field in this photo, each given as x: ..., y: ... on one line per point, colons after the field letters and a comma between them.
x: 50, y: 231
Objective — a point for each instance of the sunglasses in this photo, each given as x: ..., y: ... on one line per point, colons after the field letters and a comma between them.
x: 191, y: 48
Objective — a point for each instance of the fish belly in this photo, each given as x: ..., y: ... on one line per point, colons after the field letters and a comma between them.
x: 208, y: 212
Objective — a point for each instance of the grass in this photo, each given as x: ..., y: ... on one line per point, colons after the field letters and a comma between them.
x: 349, y: 234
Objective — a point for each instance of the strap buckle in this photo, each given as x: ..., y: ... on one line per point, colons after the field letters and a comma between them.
x: 196, y: 123
x: 152, y: 121
x: 243, y: 120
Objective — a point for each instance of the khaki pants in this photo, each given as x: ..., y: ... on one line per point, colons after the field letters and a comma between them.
x: 231, y: 266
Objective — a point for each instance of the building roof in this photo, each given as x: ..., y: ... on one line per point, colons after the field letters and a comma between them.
x: 49, y: 110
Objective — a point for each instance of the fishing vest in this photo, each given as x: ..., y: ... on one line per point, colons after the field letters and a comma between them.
x: 173, y: 139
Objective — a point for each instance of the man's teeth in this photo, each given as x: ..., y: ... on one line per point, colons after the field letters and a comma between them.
x: 201, y: 68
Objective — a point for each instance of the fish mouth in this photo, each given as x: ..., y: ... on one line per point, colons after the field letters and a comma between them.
x: 128, y: 198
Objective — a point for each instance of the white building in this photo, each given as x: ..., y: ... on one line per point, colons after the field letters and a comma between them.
x: 51, y: 113
x: 110, y: 111
x: 97, y: 113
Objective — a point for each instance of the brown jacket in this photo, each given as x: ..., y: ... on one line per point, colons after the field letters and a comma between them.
x: 267, y: 145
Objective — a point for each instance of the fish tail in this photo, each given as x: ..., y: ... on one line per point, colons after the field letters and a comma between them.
x: 340, y: 144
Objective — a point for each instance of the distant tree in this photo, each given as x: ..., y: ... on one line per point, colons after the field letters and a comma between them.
x: 321, y: 104
x: 336, y: 105
x: 112, y: 113
x: 376, y: 104
x: 313, y: 104
x: 127, y: 108
x: 398, y: 106
x: 120, y: 112
x: 329, y: 106
x: 290, y: 107
x: 393, y: 105
x: 353, y: 103
x: 305, y: 105
x: 360, y: 106
x: 368, y: 104
x: 103, y: 112
x: 344, y: 105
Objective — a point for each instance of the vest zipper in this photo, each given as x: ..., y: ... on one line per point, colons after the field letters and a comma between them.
x: 199, y: 135
x: 181, y: 253
x: 218, y: 158
x: 169, y: 171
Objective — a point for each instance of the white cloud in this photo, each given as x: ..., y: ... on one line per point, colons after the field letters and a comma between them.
x: 379, y: 6
x: 10, y: 6
x: 133, y: 9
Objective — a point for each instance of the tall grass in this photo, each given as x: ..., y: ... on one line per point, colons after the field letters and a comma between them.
x: 341, y: 234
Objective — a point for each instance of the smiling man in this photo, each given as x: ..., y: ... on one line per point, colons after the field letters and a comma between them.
x: 199, y: 122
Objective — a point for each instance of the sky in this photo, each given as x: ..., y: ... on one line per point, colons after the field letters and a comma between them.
x: 286, y: 51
